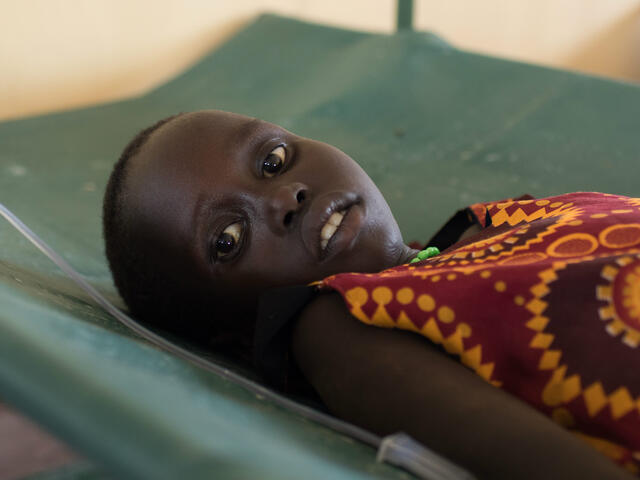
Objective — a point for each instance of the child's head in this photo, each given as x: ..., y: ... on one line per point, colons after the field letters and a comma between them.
x: 206, y: 210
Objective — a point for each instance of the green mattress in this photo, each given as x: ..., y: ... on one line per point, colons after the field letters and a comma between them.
x: 436, y: 128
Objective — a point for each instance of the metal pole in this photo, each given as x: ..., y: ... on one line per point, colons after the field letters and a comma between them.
x: 404, y: 19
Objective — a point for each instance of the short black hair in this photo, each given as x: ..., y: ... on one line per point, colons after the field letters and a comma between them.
x: 150, y: 297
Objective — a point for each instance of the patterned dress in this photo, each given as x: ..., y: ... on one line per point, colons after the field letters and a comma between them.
x: 543, y: 303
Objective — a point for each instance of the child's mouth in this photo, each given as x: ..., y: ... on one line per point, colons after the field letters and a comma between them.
x: 332, y: 223
x: 337, y: 238
x: 330, y: 228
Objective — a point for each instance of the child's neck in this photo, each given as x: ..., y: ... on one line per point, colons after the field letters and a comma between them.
x: 406, y: 254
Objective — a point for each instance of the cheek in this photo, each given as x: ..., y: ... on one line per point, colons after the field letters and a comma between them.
x: 272, y: 260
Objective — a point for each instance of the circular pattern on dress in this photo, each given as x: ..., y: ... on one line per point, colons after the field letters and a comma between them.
x: 631, y: 293
x: 626, y: 295
x: 382, y: 295
x: 590, y: 287
x: 523, y: 259
x: 620, y: 235
x: 445, y: 314
x: 500, y: 286
x: 357, y: 296
x: 573, y: 245
x: 465, y: 330
x: 622, y: 295
x: 426, y: 303
x: 404, y: 295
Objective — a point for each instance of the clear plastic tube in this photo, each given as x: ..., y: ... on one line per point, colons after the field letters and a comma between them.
x: 403, y: 451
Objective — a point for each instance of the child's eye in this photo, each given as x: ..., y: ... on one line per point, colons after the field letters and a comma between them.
x: 228, y: 240
x: 274, y: 161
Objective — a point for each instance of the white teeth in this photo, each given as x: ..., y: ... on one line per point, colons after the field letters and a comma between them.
x: 336, y: 218
x: 327, y: 231
x: 330, y: 228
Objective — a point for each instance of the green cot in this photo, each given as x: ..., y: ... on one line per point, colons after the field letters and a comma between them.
x: 436, y: 128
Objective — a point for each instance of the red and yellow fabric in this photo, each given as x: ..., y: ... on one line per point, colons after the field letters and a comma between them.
x: 544, y: 303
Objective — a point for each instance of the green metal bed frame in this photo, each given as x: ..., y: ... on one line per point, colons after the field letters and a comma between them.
x: 475, y: 127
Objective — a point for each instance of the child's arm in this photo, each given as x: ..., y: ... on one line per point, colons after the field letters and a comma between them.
x: 389, y: 381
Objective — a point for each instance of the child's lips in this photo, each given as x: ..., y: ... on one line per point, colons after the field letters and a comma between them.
x: 345, y: 234
x: 317, y: 217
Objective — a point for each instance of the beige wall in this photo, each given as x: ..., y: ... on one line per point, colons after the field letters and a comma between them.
x: 57, y: 54
x: 597, y: 36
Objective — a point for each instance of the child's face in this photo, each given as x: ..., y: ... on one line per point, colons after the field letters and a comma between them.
x: 231, y: 205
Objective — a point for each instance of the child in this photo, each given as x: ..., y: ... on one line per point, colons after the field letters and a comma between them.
x: 212, y: 217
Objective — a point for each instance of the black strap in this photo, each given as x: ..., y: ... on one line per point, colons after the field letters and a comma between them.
x: 451, y: 231
x: 277, y: 308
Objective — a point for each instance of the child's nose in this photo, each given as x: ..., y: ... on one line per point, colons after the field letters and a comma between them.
x: 284, y: 203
